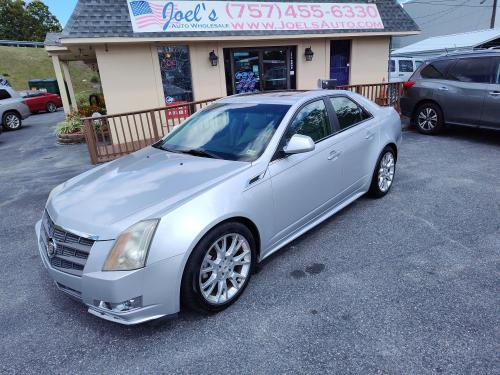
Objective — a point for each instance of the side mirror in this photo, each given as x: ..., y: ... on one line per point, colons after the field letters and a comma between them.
x: 299, y: 144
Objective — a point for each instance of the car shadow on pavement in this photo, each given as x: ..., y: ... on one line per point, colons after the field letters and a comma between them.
x: 465, y: 133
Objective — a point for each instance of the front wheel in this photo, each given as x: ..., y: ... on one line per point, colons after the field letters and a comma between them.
x: 219, y: 268
x: 11, y: 121
x: 383, y: 176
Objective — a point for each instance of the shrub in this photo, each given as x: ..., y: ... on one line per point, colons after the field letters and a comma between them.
x: 88, y: 110
x: 72, y: 124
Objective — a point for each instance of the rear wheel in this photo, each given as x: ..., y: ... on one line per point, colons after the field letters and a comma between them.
x: 11, y: 121
x: 383, y: 176
x: 429, y: 118
x: 219, y: 268
x: 51, y: 107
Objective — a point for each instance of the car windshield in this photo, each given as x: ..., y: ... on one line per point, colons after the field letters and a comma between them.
x: 232, y: 131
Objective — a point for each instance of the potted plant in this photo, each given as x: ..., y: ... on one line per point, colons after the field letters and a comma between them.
x: 70, y: 131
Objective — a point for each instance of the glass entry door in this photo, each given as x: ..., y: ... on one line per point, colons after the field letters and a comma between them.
x: 260, y: 69
x: 246, y: 76
x: 275, y: 69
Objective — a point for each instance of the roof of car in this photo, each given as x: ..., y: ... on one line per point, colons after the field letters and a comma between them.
x: 472, y: 53
x: 288, y: 97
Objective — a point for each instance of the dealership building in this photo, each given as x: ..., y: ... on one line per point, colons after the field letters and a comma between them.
x: 149, y: 53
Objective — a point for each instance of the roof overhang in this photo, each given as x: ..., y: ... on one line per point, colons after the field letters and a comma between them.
x: 211, y: 38
x: 73, y: 53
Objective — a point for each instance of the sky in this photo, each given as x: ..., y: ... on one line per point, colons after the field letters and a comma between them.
x: 62, y: 9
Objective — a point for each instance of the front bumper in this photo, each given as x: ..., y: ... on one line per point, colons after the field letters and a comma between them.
x: 158, y: 284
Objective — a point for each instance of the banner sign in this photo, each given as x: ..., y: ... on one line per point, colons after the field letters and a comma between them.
x: 182, y: 16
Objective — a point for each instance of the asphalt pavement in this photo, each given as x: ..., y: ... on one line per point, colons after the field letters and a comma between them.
x: 408, y: 284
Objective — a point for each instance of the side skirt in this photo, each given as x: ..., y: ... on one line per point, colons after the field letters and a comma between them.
x: 312, y: 224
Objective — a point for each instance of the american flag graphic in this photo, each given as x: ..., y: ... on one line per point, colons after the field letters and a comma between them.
x: 147, y: 13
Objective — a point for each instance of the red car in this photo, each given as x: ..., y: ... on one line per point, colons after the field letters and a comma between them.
x: 41, y: 101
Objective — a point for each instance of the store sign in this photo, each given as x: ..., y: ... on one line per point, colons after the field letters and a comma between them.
x: 188, y: 16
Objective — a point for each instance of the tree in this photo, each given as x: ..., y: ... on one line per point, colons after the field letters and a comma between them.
x: 40, y: 21
x: 21, y: 21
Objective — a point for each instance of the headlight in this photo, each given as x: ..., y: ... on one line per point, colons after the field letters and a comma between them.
x: 131, y: 248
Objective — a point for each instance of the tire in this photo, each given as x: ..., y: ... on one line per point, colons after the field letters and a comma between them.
x: 383, y: 175
x: 11, y: 121
x: 196, y: 296
x: 51, y: 107
x: 429, y: 119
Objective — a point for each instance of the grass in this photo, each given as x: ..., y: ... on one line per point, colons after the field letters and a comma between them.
x: 21, y: 64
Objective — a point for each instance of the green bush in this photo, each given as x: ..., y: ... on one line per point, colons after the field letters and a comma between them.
x: 72, y: 124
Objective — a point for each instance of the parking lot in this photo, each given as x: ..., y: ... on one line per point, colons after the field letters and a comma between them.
x: 408, y: 284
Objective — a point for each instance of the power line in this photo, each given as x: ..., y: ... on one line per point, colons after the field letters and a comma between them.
x: 435, y: 2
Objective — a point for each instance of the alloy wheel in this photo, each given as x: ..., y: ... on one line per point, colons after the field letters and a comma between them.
x: 427, y: 118
x: 225, y: 268
x: 51, y: 107
x: 12, y: 121
x: 386, y: 171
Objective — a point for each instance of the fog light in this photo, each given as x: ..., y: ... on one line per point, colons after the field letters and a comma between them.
x: 130, y: 304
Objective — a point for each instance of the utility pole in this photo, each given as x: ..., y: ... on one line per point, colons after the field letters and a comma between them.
x: 493, y: 14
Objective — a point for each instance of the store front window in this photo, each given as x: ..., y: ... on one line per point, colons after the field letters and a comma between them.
x: 175, y: 70
x: 259, y: 69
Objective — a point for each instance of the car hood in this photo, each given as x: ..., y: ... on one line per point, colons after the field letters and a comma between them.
x: 106, y: 200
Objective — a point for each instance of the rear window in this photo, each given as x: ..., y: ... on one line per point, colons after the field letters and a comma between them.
x: 435, y: 70
x: 4, y: 94
x: 406, y: 66
x: 475, y: 70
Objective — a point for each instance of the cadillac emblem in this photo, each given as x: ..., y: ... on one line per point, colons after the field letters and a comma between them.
x: 51, y: 248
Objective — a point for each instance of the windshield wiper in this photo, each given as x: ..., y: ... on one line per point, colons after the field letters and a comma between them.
x: 199, y: 152
x: 160, y: 146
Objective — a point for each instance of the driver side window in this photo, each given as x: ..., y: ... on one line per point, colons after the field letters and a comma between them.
x: 311, y: 120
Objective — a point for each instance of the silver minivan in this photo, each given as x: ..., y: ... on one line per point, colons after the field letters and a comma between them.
x: 12, y: 109
x: 457, y: 89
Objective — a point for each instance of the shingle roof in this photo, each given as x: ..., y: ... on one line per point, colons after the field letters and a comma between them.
x: 52, y: 39
x: 110, y: 18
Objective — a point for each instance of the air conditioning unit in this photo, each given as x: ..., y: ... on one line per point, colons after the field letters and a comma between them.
x: 327, y: 84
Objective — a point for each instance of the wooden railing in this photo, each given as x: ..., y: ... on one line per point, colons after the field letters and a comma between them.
x: 111, y: 136
x: 384, y: 94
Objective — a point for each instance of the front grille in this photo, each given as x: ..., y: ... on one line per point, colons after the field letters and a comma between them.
x: 71, y: 251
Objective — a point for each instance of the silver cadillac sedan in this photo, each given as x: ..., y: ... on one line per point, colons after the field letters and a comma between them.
x: 182, y: 223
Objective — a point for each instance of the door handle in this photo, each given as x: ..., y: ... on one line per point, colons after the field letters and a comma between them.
x: 443, y: 88
x: 369, y: 135
x: 495, y: 93
x: 334, y: 155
